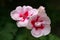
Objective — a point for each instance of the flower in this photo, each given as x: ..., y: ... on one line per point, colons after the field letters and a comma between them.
x: 40, y: 23
x: 22, y: 14
x: 34, y: 19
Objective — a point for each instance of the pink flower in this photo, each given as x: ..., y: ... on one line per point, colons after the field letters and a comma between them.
x: 40, y: 23
x: 22, y: 14
x: 34, y: 19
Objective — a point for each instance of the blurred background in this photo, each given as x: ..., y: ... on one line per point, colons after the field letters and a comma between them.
x: 9, y: 30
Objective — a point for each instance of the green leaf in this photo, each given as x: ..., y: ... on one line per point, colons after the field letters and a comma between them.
x: 5, y: 36
x: 53, y: 37
x: 21, y: 34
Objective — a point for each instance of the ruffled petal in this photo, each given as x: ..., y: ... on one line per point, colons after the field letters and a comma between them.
x: 29, y: 8
x: 36, y: 33
x: 33, y: 12
x: 14, y: 15
x: 45, y: 20
x: 32, y: 17
x: 46, y: 30
x: 22, y: 23
x: 42, y: 12
x: 30, y: 25
x: 19, y: 9
x: 26, y: 8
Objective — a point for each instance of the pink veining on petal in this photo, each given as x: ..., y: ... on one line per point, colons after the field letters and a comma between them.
x: 21, y: 15
x: 24, y: 15
x: 36, y: 20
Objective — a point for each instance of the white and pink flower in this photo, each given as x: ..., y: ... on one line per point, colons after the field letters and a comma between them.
x: 39, y: 24
x: 34, y: 19
x: 22, y: 14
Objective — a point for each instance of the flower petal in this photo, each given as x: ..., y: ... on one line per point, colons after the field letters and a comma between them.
x: 36, y: 33
x: 19, y: 9
x: 29, y: 22
x: 27, y: 8
x: 33, y: 12
x: 46, y: 30
x: 42, y: 12
x: 29, y: 26
x: 14, y: 15
x: 22, y: 23
x: 45, y: 20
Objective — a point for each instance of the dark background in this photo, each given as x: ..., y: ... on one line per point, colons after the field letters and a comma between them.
x: 9, y: 30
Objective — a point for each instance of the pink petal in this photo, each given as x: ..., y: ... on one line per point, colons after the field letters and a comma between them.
x: 19, y: 9
x: 14, y: 15
x: 41, y: 32
x: 46, y: 30
x: 22, y: 23
x: 45, y: 20
x: 27, y: 8
x: 41, y: 11
x: 26, y: 13
x: 33, y: 12
x: 36, y: 33
x: 30, y: 22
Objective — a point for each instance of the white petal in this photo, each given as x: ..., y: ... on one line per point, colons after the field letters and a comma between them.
x: 46, y: 30
x: 33, y: 12
x: 27, y: 8
x: 29, y: 22
x: 33, y: 17
x: 29, y: 26
x: 36, y: 33
x: 42, y: 11
x: 18, y: 9
x: 14, y: 15
x: 22, y: 23
x: 24, y: 9
x: 45, y: 19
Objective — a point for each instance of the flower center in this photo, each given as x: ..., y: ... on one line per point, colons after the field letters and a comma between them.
x: 37, y: 24
x: 24, y: 16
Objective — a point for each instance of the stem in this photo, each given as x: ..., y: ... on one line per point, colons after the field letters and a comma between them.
x: 14, y: 37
